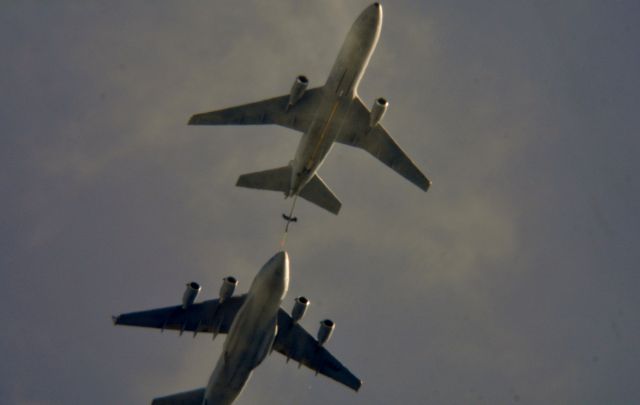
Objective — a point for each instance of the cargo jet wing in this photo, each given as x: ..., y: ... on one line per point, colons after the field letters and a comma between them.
x: 377, y: 141
x: 208, y: 316
x: 271, y: 111
x: 214, y: 317
x: 296, y: 343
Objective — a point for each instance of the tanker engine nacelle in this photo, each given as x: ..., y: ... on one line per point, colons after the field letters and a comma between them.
x: 326, y: 329
x: 226, y: 289
x: 190, y: 294
x: 377, y: 111
x: 299, y: 308
x: 297, y: 90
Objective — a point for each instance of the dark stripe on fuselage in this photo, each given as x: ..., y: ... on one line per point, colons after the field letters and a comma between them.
x: 322, y: 134
x: 339, y: 92
x: 341, y: 79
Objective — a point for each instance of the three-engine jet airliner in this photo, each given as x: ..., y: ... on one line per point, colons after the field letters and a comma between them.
x: 328, y: 114
x: 256, y: 325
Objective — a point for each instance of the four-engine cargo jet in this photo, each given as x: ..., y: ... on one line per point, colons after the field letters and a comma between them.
x: 328, y: 114
x: 256, y: 325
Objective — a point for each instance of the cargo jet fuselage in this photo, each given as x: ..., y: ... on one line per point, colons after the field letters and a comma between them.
x: 252, y: 332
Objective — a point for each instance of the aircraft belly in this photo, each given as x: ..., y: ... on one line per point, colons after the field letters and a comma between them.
x: 242, y: 352
x: 252, y: 332
x: 254, y: 319
x: 319, y: 140
x: 226, y: 382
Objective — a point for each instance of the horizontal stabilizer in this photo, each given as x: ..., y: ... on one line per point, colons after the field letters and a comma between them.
x: 194, y: 397
x: 317, y: 192
x: 274, y: 179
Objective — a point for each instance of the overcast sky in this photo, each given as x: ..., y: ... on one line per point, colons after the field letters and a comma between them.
x: 513, y: 280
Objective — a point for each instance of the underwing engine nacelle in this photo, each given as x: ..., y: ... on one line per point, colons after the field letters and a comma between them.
x: 299, y: 308
x: 297, y: 90
x: 190, y: 294
x: 326, y: 329
x: 377, y: 111
x: 226, y: 289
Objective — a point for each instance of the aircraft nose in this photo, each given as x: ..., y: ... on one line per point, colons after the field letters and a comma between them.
x: 376, y: 11
x: 279, y: 265
x: 281, y: 260
x: 280, y: 271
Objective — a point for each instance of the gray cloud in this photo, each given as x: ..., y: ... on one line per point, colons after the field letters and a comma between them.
x: 512, y: 280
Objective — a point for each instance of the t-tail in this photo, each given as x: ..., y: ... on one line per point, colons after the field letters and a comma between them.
x: 279, y: 179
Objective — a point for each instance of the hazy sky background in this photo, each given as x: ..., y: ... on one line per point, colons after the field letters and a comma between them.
x: 513, y: 280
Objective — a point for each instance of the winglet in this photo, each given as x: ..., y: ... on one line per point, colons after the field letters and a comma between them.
x: 195, y: 119
x: 427, y: 185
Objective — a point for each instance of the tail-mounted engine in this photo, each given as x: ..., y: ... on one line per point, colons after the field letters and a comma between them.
x: 377, y: 111
x: 190, y: 294
x: 299, y: 308
x: 326, y: 329
x: 226, y: 289
x: 297, y: 90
